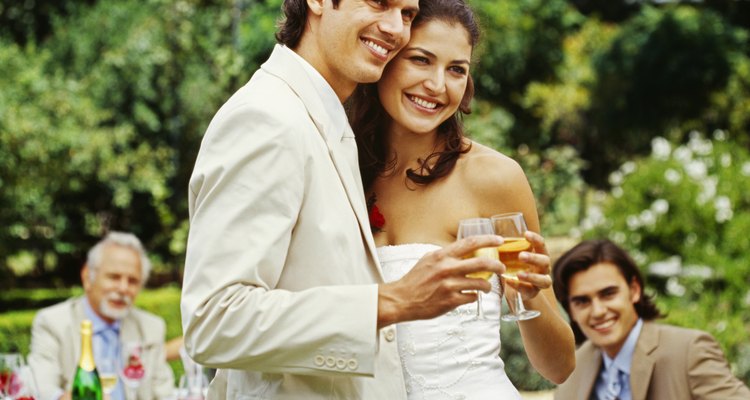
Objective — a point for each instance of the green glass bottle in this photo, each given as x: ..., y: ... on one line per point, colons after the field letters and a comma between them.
x: 86, y: 384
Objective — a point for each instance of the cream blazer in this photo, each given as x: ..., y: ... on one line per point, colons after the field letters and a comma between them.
x: 56, y: 347
x: 668, y: 363
x: 280, y: 287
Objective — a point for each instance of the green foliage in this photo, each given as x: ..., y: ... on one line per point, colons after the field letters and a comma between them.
x: 522, y: 42
x: 621, y: 85
x: 100, y: 131
x: 15, y: 331
x: 682, y: 212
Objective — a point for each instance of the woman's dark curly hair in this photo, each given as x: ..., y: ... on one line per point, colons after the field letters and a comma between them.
x: 584, y: 256
x: 369, y: 120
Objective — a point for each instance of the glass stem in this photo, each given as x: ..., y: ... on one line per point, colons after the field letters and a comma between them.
x: 519, y: 304
x: 480, y: 310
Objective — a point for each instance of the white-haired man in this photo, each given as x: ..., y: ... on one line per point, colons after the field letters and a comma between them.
x: 115, y: 271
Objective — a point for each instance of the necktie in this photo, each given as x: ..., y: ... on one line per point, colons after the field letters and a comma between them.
x: 613, y: 382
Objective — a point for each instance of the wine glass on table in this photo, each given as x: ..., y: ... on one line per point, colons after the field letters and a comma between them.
x: 132, y: 371
x: 474, y: 227
x: 108, y: 368
x: 9, y: 363
x: 16, y: 378
x: 512, y: 227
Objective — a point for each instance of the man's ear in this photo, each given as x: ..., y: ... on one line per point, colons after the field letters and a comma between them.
x: 85, y: 277
x: 316, y: 6
x: 635, y: 291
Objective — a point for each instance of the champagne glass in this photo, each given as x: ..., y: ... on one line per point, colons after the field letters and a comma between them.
x: 474, y: 227
x: 108, y: 368
x: 132, y: 371
x: 16, y: 378
x: 9, y: 364
x: 512, y: 227
x: 194, y: 383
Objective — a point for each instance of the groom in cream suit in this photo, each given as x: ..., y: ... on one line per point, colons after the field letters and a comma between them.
x: 282, y: 291
x: 624, y: 354
x: 115, y: 271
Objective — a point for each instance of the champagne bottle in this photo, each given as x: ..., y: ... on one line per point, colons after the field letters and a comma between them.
x: 86, y: 384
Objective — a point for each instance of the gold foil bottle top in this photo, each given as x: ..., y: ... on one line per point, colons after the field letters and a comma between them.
x: 86, y: 327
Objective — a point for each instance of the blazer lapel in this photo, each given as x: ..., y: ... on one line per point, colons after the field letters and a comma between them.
x: 341, y: 145
x: 643, y: 364
x: 588, y: 369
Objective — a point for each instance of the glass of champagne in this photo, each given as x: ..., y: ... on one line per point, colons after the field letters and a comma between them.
x: 108, y: 368
x: 132, y: 371
x: 473, y: 227
x: 9, y: 363
x: 512, y: 227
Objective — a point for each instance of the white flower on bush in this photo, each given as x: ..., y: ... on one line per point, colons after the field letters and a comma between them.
x: 708, y: 190
x: 672, y: 176
x: 647, y: 218
x: 633, y: 222
x: 699, y: 145
x: 726, y: 160
x: 615, y: 178
x: 723, y: 209
x: 670, y: 267
x: 660, y: 148
x: 746, y: 168
x: 639, y: 257
x: 720, y: 135
x: 674, y: 287
x: 696, y: 169
x: 627, y: 168
x: 619, y: 237
x: 594, y: 218
x: 617, y: 192
x: 698, y: 271
x: 660, y: 206
x: 683, y: 154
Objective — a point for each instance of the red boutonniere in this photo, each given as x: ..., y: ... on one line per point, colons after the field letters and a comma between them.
x: 377, y: 220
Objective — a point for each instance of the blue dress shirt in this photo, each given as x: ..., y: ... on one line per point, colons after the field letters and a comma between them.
x: 613, y: 381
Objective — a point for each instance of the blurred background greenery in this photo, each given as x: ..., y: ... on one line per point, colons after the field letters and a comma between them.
x: 631, y: 119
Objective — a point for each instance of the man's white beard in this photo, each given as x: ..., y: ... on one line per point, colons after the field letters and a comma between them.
x: 115, y: 313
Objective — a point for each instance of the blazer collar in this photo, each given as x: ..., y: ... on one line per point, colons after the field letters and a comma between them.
x: 342, y: 147
x: 643, y: 364
x: 591, y: 358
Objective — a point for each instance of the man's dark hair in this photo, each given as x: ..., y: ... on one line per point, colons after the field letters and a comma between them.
x: 292, y: 24
x: 584, y: 256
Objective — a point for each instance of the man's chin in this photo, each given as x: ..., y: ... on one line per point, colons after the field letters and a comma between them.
x: 115, y: 312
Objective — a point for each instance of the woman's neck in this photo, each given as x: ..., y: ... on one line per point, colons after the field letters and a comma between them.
x: 410, y: 148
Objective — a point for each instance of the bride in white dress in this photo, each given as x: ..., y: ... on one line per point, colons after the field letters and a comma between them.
x: 422, y: 176
x: 454, y: 356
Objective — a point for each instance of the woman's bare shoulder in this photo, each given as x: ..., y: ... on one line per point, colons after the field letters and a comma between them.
x: 485, y: 166
x: 497, y: 182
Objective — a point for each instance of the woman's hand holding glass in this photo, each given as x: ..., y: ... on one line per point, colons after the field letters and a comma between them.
x: 474, y: 227
x: 527, y: 271
x: 536, y: 277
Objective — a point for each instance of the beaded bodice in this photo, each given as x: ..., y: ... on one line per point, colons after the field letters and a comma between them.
x: 454, y: 356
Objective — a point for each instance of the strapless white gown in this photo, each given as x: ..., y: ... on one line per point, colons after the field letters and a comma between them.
x: 453, y: 356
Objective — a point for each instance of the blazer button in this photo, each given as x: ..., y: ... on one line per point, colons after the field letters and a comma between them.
x: 340, y: 363
x: 352, y: 364
x: 320, y: 360
x: 390, y: 334
x: 330, y: 362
